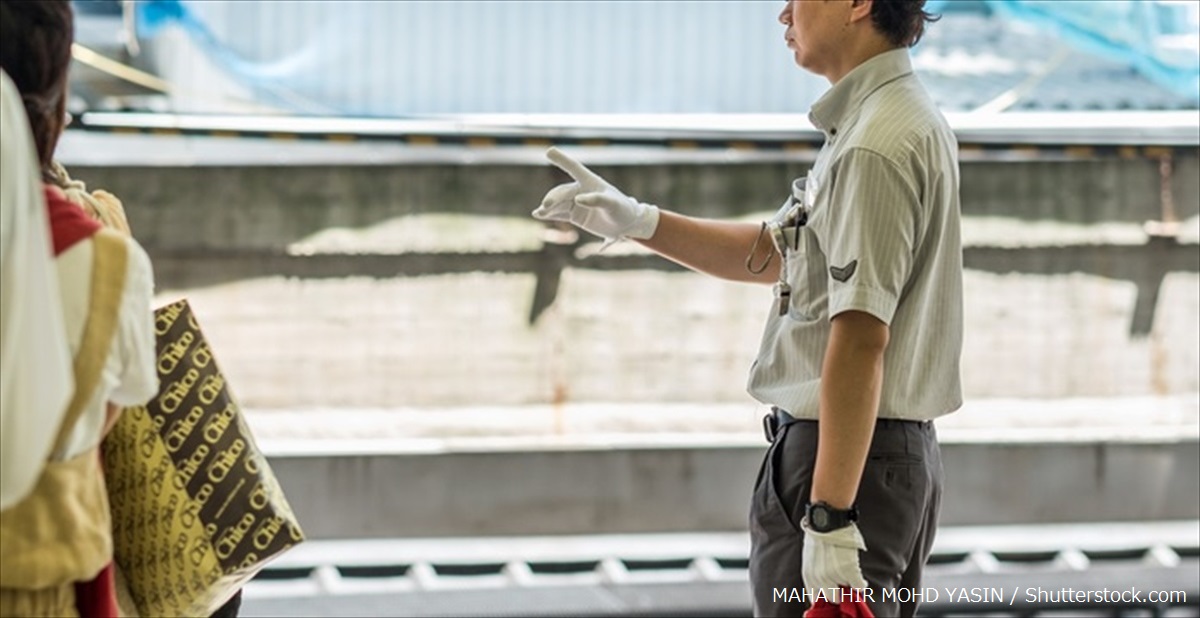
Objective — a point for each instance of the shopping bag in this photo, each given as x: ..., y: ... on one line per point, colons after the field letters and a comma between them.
x: 196, y: 509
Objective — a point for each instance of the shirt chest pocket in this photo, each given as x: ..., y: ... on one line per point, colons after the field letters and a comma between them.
x: 805, y: 269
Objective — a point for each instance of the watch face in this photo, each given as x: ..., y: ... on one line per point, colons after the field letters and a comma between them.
x: 820, y: 519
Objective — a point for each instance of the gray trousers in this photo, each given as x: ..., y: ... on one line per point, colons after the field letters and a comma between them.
x: 898, y: 501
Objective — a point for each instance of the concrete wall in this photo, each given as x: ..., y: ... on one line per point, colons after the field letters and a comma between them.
x: 415, y: 285
x: 627, y: 490
x: 178, y: 208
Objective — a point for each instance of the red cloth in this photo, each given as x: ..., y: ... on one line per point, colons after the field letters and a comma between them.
x: 69, y: 224
x: 848, y: 608
x: 97, y: 598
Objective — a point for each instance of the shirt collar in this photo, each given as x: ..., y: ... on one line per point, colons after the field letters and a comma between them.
x: 845, y: 96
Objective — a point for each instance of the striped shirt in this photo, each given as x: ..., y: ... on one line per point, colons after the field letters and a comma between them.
x: 882, y: 237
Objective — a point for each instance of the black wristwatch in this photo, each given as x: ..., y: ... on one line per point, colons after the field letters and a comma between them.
x: 824, y: 518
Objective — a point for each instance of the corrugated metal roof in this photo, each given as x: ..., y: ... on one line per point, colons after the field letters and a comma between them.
x: 395, y: 59
x: 409, y: 58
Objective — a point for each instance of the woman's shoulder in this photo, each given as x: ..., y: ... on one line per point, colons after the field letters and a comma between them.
x: 80, y: 259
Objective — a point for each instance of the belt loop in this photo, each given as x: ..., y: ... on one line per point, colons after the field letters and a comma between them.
x: 774, y: 422
x: 770, y: 426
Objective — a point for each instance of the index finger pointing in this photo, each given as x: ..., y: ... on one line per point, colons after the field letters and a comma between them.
x: 576, y: 169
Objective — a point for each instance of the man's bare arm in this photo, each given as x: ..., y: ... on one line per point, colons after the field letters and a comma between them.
x: 851, y: 381
x: 713, y: 247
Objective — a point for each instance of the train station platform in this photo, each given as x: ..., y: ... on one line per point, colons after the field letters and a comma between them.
x: 622, y: 510
x: 974, y: 570
x: 625, y: 469
x: 338, y: 279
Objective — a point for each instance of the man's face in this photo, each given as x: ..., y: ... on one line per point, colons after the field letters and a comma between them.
x: 813, y: 31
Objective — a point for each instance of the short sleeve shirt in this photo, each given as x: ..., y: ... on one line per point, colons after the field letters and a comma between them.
x: 129, y: 377
x: 882, y: 237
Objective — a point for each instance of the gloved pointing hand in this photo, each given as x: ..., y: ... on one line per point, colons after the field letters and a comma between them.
x: 830, y: 559
x: 594, y: 205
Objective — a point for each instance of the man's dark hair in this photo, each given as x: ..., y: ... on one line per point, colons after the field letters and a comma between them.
x: 35, y: 52
x: 901, y: 21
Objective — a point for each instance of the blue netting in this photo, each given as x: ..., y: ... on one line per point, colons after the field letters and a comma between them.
x: 274, y: 80
x: 1159, y: 38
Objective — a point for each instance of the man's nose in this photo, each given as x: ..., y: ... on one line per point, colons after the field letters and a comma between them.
x: 785, y: 16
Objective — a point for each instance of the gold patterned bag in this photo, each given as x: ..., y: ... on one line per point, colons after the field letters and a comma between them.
x: 196, y: 510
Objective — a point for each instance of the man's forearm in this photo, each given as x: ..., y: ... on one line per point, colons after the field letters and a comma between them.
x: 851, y: 380
x: 717, y: 248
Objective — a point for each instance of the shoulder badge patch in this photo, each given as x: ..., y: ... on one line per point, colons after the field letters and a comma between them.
x: 844, y: 273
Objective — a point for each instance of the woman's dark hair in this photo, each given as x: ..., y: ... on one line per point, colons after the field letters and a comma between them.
x: 901, y: 21
x: 35, y: 52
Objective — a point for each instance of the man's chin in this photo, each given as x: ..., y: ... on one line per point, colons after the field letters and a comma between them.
x: 801, y: 61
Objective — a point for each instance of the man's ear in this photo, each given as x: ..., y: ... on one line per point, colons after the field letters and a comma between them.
x: 860, y: 9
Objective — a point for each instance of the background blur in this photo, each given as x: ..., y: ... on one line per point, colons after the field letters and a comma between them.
x: 474, y: 413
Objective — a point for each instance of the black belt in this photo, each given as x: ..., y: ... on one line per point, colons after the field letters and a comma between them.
x: 775, y: 421
x: 778, y: 418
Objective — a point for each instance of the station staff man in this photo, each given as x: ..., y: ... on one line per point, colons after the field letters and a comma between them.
x: 862, y: 342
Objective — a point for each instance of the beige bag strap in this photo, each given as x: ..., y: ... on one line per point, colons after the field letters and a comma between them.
x: 110, y: 258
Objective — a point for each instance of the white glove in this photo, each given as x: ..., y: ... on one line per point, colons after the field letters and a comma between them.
x: 594, y: 205
x: 830, y: 559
